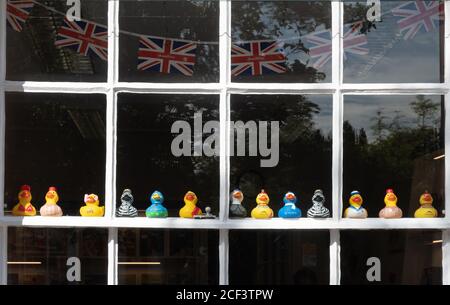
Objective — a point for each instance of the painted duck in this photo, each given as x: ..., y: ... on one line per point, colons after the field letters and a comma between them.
x: 426, y: 209
x: 126, y: 208
x: 391, y: 210
x: 262, y: 210
x: 289, y: 210
x: 318, y: 210
x: 355, y: 210
x: 236, y: 208
x: 92, y: 208
x: 51, y: 208
x: 156, y: 209
x: 190, y: 206
x: 24, y: 207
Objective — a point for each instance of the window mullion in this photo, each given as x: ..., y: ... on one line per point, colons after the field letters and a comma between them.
x: 335, y: 257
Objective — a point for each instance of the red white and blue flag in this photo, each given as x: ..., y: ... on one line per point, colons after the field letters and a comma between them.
x: 320, y: 45
x: 166, y: 55
x: 84, y: 37
x: 256, y: 58
x: 417, y: 15
x: 17, y: 13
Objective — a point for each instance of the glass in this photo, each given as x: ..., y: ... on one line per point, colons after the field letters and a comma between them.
x: 173, y: 257
x: 288, y: 41
x: 169, y: 41
x: 41, y: 256
x: 55, y: 140
x: 278, y: 257
x: 394, y: 142
x: 45, y: 47
x: 403, y: 257
x: 146, y: 160
x: 408, y: 39
x: 299, y: 158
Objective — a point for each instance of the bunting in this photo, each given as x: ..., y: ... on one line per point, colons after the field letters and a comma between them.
x: 17, y: 13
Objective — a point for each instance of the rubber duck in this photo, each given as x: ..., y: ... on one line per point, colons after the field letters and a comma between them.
x: 24, y: 207
x: 355, y: 210
x: 426, y: 209
x: 318, y: 210
x: 391, y: 210
x: 126, y: 208
x: 262, y: 210
x: 289, y: 210
x: 156, y: 209
x: 190, y: 209
x: 51, y: 208
x: 92, y: 208
x: 236, y: 208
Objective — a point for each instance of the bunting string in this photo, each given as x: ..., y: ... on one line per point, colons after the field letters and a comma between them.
x: 255, y: 57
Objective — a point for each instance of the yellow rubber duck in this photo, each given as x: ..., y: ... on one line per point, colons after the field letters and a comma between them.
x: 24, y: 207
x: 50, y: 208
x: 391, y: 210
x: 426, y: 209
x: 355, y: 210
x: 92, y: 208
x: 190, y: 206
x: 262, y: 210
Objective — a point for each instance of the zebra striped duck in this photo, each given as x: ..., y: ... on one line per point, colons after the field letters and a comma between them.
x: 127, y: 209
x: 318, y: 210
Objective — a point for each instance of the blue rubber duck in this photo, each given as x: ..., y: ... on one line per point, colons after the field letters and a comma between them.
x: 156, y: 209
x: 289, y: 210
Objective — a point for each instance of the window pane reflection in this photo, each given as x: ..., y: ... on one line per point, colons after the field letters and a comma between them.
x: 39, y: 256
x: 394, y: 142
x: 32, y: 54
x: 182, y: 257
x: 279, y: 257
x: 146, y: 161
x: 55, y: 140
x: 297, y: 27
x: 408, y: 39
x: 406, y: 257
x: 304, y: 148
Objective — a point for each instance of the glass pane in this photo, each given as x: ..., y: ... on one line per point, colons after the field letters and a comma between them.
x: 150, y: 156
x: 391, y: 257
x: 169, y: 41
x: 279, y: 257
x: 174, y: 257
x: 408, y: 38
x: 55, y: 140
x: 394, y: 142
x: 281, y: 41
x: 42, y: 45
x: 57, y: 256
x: 294, y: 154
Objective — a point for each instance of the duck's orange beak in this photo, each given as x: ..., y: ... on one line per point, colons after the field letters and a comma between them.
x: 25, y: 194
x: 190, y: 197
x: 356, y: 199
x: 237, y: 195
x: 290, y: 196
x: 427, y: 197
x: 50, y: 195
x: 391, y: 197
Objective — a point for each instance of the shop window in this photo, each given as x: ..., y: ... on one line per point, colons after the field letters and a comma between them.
x: 169, y: 41
x: 406, y: 45
x: 391, y: 257
x: 151, y: 157
x: 285, y: 41
x: 42, y: 45
x: 298, y: 158
x: 279, y: 257
x: 181, y: 257
x: 57, y: 256
x: 394, y: 142
x: 55, y: 140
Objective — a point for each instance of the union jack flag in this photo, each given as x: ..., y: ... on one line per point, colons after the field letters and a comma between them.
x: 256, y: 58
x: 166, y: 55
x: 321, y: 43
x: 416, y: 15
x: 17, y: 13
x: 84, y: 37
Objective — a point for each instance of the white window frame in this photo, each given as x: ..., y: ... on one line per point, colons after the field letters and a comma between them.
x: 224, y: 88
